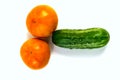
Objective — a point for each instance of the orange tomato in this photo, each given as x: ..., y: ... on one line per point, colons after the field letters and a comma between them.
x: 41, y: 21
x: 35, y: 53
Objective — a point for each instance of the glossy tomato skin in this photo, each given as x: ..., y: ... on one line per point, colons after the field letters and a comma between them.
x: 35, y: 53
x: 41, y: 21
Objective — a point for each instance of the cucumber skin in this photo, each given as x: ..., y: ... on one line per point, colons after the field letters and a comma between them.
x: 81, y: 38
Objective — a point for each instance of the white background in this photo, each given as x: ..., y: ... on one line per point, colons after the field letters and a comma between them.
x: 64, y: 64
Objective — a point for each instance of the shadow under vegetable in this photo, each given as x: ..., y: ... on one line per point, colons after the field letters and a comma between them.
x: 78, y: 52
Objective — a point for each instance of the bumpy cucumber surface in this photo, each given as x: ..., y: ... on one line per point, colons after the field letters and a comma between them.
x: 81, y: 38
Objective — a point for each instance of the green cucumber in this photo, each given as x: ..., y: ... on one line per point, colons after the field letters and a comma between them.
x: 81, y: 38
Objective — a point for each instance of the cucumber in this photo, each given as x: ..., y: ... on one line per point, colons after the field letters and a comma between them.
x: 81, y: 38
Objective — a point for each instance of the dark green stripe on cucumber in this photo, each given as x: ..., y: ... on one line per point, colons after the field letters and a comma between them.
x: 81, y: 38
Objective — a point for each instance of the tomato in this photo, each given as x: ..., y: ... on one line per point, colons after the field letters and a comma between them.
x: 35, y: 53
x: 41, y: 21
